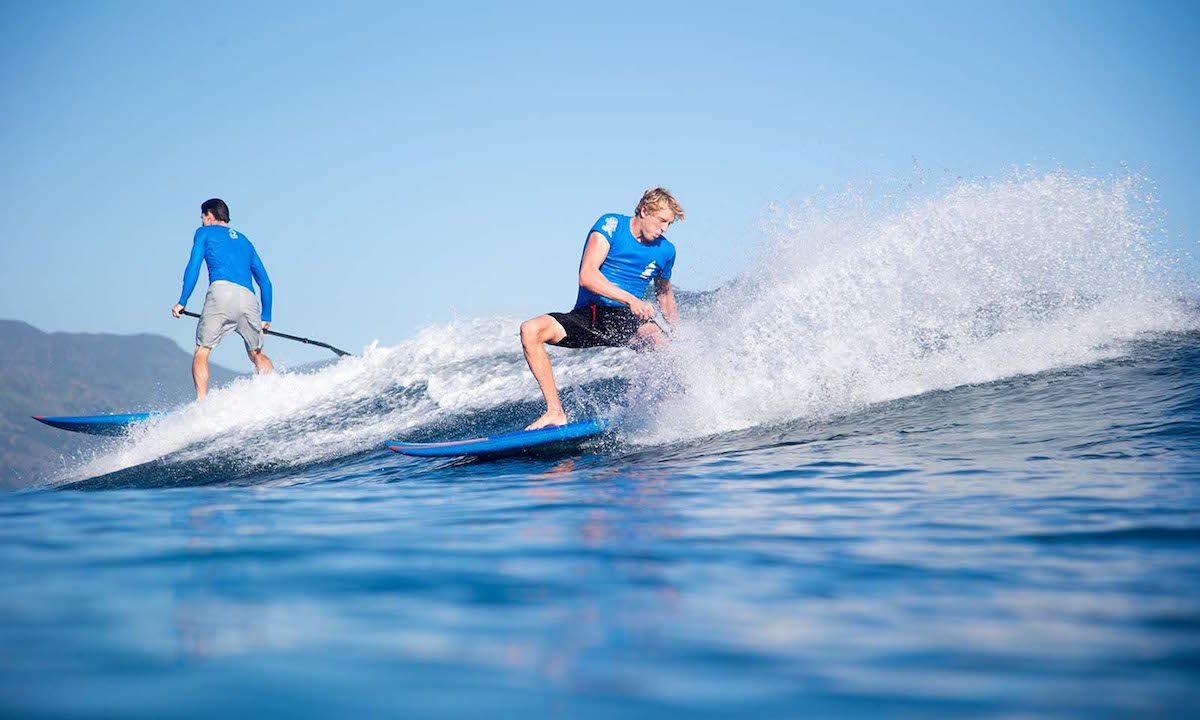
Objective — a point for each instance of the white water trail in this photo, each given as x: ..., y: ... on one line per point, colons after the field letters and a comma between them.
x: 354, y: 405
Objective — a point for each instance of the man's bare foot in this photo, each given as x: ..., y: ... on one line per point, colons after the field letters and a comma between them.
x: 550, y: 419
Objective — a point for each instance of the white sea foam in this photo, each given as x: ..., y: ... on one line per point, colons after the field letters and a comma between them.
x: 843, y: 306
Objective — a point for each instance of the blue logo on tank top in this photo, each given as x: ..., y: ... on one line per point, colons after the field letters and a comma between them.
x: 649, y: 271
x: 232, y: 234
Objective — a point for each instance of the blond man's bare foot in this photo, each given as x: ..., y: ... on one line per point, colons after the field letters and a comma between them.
x: 552, y: 418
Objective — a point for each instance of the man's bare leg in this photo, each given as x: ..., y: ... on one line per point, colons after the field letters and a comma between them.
x: 535, y: 334
x: 262, y: 363
x: 648, y: 337
x: 200, y: 371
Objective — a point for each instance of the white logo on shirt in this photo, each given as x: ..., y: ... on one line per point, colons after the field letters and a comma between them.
x: 610, y: 224
x: 233, y: 234
x: 649, y: 271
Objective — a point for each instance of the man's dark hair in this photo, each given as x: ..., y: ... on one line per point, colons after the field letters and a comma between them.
x: 217, y: 207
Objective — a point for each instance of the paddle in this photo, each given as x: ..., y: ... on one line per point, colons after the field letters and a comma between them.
x: 276, y: 333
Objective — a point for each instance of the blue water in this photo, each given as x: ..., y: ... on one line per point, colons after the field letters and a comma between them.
x: 996, y: 513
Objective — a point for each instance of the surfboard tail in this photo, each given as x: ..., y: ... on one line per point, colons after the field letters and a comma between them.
x: 95, y: 424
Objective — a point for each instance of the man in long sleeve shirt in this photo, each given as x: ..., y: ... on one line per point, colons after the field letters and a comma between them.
x: 230, y: 303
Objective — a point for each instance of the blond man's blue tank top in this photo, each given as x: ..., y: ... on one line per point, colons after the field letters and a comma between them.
x: 630, y: 264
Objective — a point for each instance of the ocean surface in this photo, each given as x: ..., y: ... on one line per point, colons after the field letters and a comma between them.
x: 936, y: 459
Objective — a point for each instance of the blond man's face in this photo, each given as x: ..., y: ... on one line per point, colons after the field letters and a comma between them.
x: 656, y: 222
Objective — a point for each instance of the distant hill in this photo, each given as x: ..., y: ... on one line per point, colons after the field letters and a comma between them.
x: 79, y: 374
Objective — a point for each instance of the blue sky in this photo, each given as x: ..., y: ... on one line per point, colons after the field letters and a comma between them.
x: 399, y: 164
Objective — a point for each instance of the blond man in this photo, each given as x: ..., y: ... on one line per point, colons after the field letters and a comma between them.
x: 622, y: 254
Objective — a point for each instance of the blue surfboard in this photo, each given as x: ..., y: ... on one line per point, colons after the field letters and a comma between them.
x: 96, y: 424
x: 508, y: 443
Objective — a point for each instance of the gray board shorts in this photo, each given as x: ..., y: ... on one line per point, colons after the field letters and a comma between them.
x: 229, y: 306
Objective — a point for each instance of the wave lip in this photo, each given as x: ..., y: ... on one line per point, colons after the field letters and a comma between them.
x: 844, y: 307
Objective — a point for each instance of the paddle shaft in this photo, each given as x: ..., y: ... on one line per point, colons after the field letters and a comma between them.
x: 665, y: 326
x: 306, y: 341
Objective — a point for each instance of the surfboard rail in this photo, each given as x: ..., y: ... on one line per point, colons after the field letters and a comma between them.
x: 507, y: 442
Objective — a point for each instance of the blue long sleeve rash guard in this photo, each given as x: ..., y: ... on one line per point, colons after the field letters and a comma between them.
x: 230, y: 256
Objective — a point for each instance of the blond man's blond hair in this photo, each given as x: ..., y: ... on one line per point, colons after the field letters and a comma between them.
x: 657, y: 198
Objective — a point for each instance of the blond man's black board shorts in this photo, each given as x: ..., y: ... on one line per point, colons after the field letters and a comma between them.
x: 595, y: 325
